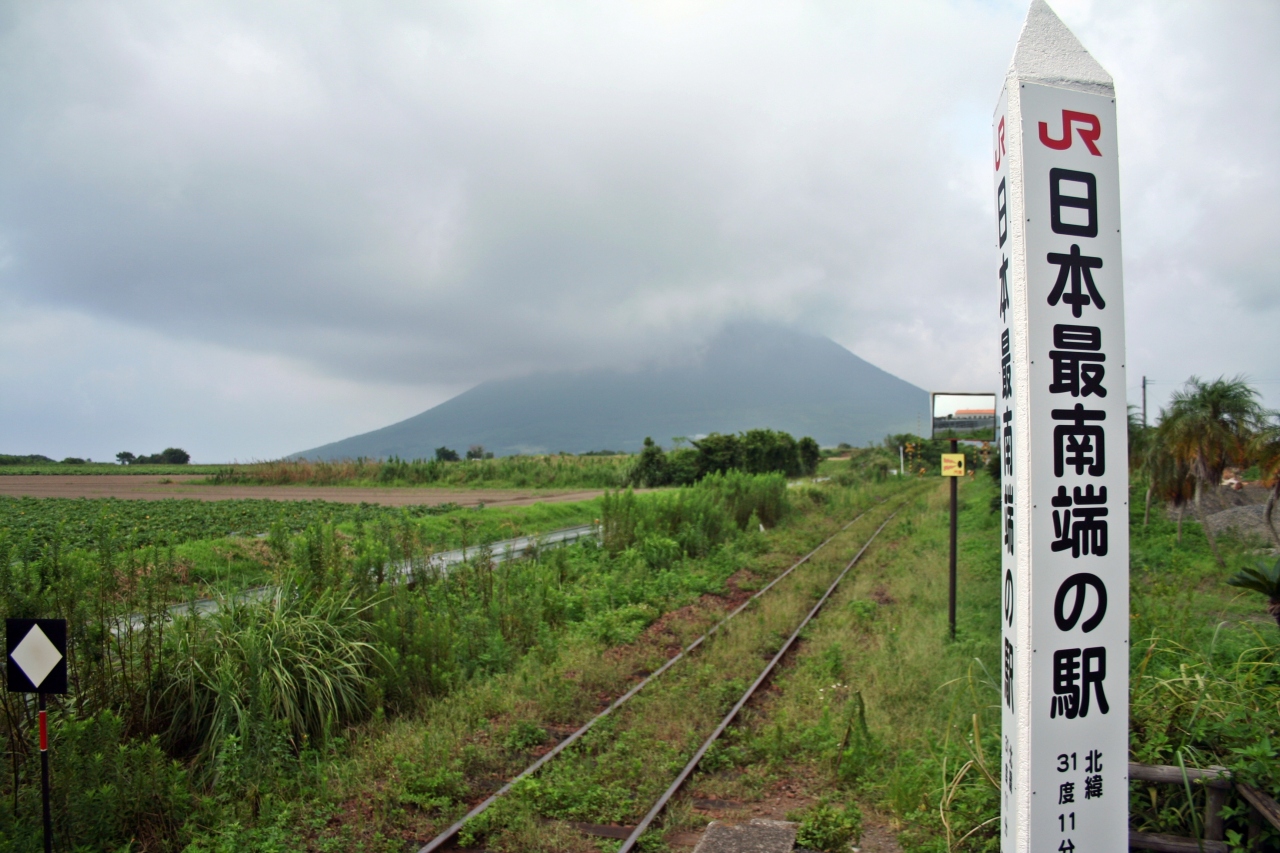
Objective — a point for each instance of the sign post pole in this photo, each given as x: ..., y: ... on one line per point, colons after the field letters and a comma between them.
x: 1062, y: 427
x: 952, y: 600
x: 959, y: 414
x: 44, y: 774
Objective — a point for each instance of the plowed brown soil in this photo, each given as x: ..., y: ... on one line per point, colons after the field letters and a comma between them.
x: 150, y: 488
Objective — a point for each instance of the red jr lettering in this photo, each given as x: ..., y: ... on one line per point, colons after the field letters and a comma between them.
x: 1000, y: 149
x: 1089, y: 135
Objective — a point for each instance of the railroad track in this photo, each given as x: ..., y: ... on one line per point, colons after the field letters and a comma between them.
x: 451, y: 832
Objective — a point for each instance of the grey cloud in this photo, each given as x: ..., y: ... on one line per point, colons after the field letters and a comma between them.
x: 487, y: 189
x: 448, y: 192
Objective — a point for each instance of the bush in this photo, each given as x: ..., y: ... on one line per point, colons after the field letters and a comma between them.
x: 827, y: 828
x: 294, y: 658
x: 765, y: 450
x: 651, y: 468
x: 695, y: 519
x: 168, y: 456
x: 106, y: 790
x: 810, y: 455
x: 682, y: 466
x: 757, y: 451
x: 718, y: 453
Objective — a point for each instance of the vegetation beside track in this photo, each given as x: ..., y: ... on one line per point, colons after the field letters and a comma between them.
x: 880, y: 709
x: 192, y: 547
x: 418, y: 702
x: 277, y: 711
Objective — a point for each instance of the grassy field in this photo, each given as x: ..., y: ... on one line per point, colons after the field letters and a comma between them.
x: 541, y: 472
x: 519, y: 472
x: 228, y: 545
x: 883, y: 714
x: 350, y: 714
x: 182, y: 732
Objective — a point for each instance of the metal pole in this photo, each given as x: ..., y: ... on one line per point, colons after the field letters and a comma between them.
x: 952, y: 609
x: 44, y: 776
x: 901, y: 462
x: 1144, y: 402
x: 13, y: 748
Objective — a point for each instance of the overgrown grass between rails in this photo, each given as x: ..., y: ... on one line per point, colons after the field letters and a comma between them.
x: 879, y: 707
x: 258, y: 703
x: 1205, y: 688
x: 422, y: 771
x: 618, y: 770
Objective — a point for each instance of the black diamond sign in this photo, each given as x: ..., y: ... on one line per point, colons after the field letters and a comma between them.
x: 37, y: 655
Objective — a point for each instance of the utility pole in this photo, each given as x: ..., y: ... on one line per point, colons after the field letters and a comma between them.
x: 1144, y: 402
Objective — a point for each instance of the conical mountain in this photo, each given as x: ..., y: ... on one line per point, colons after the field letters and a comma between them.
x: 749, y: 376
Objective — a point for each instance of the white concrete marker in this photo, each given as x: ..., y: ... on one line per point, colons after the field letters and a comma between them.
x: 1063, y: 424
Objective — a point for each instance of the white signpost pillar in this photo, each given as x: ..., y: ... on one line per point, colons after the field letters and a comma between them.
x: 1062, y: 423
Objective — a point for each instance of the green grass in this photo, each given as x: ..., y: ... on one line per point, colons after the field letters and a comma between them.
x: 349, y: 714
x: 267, y: 707
x: 217, y: 543
x: 520, y: 472
x: 881, y: 708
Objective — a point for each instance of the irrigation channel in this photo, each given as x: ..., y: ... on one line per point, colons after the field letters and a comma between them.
x: 450, y: 833
x: 500, y: 551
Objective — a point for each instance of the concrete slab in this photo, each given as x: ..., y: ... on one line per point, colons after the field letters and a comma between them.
x: 757, y: 836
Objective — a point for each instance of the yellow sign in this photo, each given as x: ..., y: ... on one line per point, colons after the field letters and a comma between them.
x: 953, y: 464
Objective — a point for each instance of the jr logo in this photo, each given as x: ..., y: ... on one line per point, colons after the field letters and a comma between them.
x: 1000, y: 149
x: 1089, y: 127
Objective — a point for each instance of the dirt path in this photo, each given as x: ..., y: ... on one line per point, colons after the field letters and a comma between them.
x: 150, y: 488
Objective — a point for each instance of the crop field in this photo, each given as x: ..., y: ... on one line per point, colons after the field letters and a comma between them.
x: 231, y: 544
x: 516, y: 472
x: 541, y: 472
x: 346, y: 711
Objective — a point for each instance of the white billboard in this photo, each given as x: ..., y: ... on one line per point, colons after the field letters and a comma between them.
x: 962, y: 415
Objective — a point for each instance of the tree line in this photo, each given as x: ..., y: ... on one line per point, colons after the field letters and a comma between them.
x: 168, y: 456
x: 756, y: 451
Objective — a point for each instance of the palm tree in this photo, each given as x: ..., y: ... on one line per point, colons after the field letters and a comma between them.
x: 1266, y: 451
x: 1264, y: 579
x: 1166, y: 475
x: 1210, y: 424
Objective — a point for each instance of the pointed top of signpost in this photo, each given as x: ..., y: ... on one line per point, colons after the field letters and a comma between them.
x: 1049, y: 53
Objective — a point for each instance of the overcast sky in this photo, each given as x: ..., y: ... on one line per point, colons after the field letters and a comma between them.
x: 251, y: 228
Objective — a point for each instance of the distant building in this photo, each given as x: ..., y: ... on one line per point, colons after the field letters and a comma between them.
x: 966, y: 421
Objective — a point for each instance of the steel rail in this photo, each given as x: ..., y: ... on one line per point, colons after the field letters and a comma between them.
x: 631, y: 840
x: 447, y: 835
